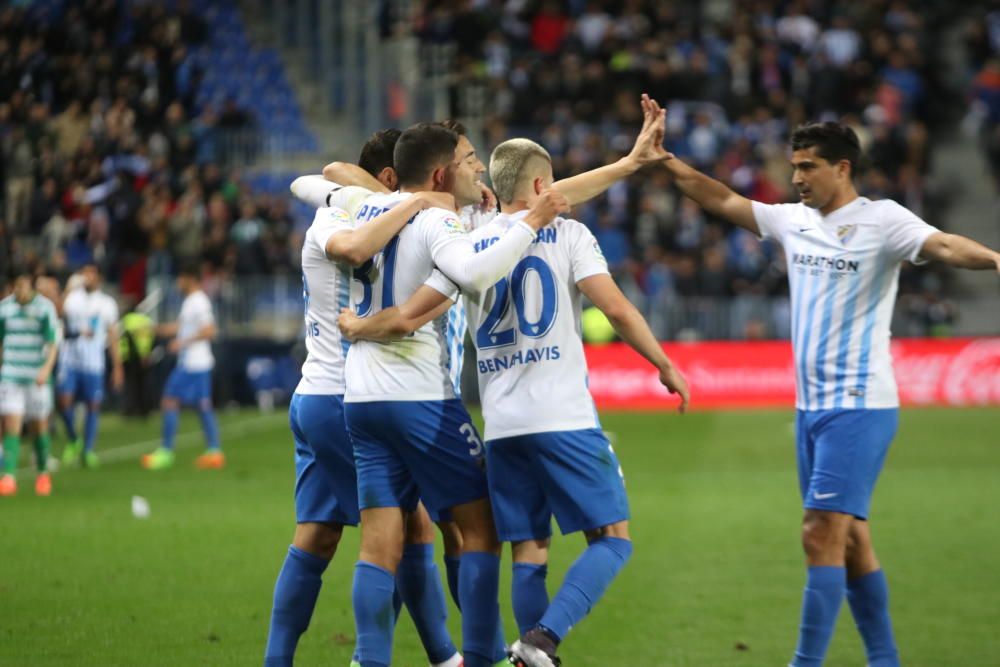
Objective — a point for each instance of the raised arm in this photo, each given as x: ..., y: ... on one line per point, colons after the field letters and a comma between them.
x: 632, y: 327
x: 648, y: 149
x: 959, y: 251
x: 397, y: 322
x: 357, y: 246
x: 346, y: 173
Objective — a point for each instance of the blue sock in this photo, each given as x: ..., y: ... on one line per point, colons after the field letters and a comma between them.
x: 868, y: 597
x: 90, y: 429
x: 820, y: 604
x: 529, y: 596
x: 374, y: 617
x: 585, y: 583
x: 69, y: 421
x: 209, y: 427
x: 170, y: 418
x: 479, y: 586
x: 451, y: 566
x: 419, y: 585
x: 295, y: 595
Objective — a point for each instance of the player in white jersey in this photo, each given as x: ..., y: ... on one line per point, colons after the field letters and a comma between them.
x: 91, y: 318
x: 529, y: 352
x: 190, y: 382
x: 411, y: 436
x: 843, y: 253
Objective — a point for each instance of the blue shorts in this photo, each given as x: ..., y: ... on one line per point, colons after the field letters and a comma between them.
x: 326, y: 487
x: 407, y: 451
x: 189, y: 387
x: 574, y: 475
x: 82, y: 386
x: 840, y: 456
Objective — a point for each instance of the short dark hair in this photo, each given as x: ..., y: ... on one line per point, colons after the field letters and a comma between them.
x: 189, y: 269
x: 455, y: 127
x: 833, y: 142
x: 420, y: 150
x: 376, y: 154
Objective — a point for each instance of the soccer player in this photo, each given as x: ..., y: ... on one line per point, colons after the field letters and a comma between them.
x: 326, y: 496
x: 190, y: 382
x: 843, y: 253
x: 28, y: 349
x: 411, y: 437
x: 529, y: 351
x: 91, y: 318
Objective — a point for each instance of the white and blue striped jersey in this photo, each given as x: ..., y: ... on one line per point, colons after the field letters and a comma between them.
x: 843, y: 271
x: 88, y: 317
x: 526, y: 329
x: 473, y: 217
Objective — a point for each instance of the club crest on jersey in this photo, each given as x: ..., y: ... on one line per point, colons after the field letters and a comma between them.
x: 453, y: 225
x: 846, y: 232
x: 339, y: 215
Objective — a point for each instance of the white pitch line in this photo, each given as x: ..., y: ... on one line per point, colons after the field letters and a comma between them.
x: 183, y: 440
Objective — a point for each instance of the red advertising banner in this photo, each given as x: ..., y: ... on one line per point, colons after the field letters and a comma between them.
x: 956, y: 371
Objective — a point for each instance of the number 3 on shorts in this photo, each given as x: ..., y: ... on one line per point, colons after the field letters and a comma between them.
x: 469, y: 431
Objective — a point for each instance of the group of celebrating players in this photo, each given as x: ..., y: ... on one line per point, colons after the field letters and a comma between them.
x: 407, y: 252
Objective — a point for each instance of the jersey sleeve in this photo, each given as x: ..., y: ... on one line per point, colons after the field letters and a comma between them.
x: 454, y: 253
x: 50, y: 325
x: 586, y: 258
x: 349, y: 198
x: 440, y: 283
x: 327, y: 222
x: 772, y: 220
x: 904, y: 232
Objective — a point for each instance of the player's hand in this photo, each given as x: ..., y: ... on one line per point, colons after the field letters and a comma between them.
x: 118, y: 378
x: 489, y: 200
x: 348, y: 322
x: 174, y: 346
x: 445, y: 200
x: 548, y: 205
x: 675, y: 383
x: 648, y: 147
x: 42, y: 377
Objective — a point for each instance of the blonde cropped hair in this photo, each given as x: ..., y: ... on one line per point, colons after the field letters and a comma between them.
x: 514, y: 161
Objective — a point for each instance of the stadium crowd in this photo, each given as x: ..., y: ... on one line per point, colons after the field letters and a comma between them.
x: 567, y: 74
x: 108, y: 155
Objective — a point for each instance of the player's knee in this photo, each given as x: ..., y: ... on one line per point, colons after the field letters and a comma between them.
x: 617, y: 530
x: 535, y: 552
x: 169, y: 404
x: 475, y: 521
x: 452, y: 538
x: 319, y: 539
x: 419, y: 529
x: 821, y: 534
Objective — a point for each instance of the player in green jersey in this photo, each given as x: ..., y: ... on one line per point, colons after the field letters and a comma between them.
x: 28, y: 334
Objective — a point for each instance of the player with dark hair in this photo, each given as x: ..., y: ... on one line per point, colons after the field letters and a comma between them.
x: 843, y: 252
x: 190, y: 383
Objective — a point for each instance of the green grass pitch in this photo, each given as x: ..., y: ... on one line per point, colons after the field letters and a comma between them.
x: 715, y: 579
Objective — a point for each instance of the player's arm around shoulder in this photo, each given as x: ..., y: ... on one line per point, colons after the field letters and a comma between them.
x: 424, y: 305
x: 629, y: 323
x: 355, y: 246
